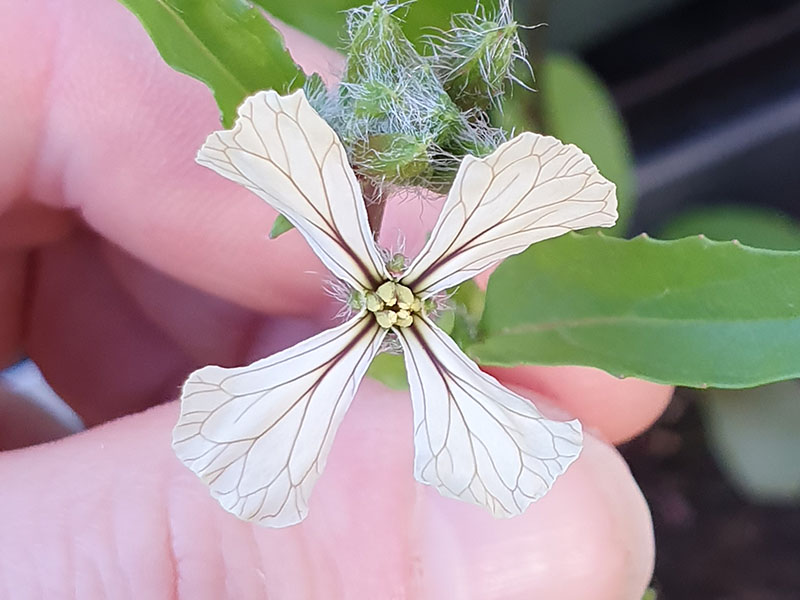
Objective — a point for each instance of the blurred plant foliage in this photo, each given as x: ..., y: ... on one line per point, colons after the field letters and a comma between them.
x: 413, y: 101
x: 752, y: 432
x: 573, y: 105
x: 577, y: 108
x: 325, y: 19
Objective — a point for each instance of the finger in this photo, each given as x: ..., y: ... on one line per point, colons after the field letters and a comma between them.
x: 111, y: 132
x: 12, y: 291
x: 614, y: 409
x: 133, y: 177
x: 113, y: 509
x: 137, y: 333
x: 25, y: 423
x: 113, y: 337
x: 87, y: 336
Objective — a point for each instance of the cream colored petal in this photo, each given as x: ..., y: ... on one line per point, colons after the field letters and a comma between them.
x: 285, y: 153
x: 259, y: 435
x: 474, y: 439
x: 531, y: 188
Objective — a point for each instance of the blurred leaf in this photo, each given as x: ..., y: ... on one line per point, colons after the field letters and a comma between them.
x: 754, y: 435
x: 446, y: 321
x: 279, y: 226
x: 325, y: 19
x: 578, y: 109
x: 226, y: 44
x: 755, y: 226
x: 650, y: 594
x: 467, y: 301
x: 688, y: 312
x: 470, y: 297
x: 390, y: 370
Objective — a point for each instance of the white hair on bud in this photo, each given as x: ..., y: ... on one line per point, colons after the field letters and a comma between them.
x: 397, y: 121
x: 453, y: 49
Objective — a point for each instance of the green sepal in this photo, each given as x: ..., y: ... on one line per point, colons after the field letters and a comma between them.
x: 280, y: 226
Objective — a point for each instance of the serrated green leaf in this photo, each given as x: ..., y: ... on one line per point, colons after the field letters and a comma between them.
x: 390, y: 370
x: 689, y: 312
x: 280, y: 226
x: 579, y: 109
x: 226, y: 44
x: 752, y: 225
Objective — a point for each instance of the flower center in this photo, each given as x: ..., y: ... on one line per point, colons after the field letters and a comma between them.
x: 393, y: 305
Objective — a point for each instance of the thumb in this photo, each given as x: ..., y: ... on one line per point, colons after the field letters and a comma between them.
x: 111, y: 513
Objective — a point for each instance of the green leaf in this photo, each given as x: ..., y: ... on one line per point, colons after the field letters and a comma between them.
x: 650, y: 594
x: 578, y: 109
x: 280, y: 226
x: 751, y: 225
x: 753, y: 434
x: 226, y: 44
x: 689, y: 312
x: 390, y: 370
x: 467, y: 301
x: 325, y: 20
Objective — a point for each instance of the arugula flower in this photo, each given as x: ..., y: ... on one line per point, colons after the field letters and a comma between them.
x: 259, y: 435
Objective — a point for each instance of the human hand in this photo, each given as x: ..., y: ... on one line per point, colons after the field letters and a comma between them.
x: 124, y: 265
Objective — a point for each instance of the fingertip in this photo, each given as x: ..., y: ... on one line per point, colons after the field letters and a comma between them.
x: 616, y: 409
x: 589, y: 538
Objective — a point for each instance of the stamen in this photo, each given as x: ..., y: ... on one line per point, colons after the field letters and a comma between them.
x: 373, y: 302
x: 405, y: 297
x: 388, y: 293
x: 393, y: 304
x: 386, y: 318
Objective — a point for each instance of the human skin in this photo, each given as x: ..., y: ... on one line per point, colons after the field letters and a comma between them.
x: 124, y: 265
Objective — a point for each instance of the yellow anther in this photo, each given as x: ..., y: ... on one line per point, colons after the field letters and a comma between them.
x: 373, y: 302
x: 393, y: 305
x: 387, y: 292
x: 405, y: 297
x: 386, y: 318
x: 404, y: 319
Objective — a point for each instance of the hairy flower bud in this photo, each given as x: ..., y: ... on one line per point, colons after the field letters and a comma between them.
x: 394, y: 108
x: 476, y: 58
x: 397, y: 157
x: 377, y: 45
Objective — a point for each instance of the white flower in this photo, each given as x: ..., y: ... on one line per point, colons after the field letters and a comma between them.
x: 259, y: 435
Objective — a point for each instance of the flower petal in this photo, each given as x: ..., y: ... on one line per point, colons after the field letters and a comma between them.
x: 474, y: 439
x: 285, y: 153
x: 259, y: 435
x: 531, y: 188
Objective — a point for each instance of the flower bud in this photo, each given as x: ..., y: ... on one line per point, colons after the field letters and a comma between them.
x: 377, y: 45
x: 476, y: 57
x: 397, y: 157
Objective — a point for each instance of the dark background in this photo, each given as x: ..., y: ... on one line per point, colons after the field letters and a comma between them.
x: 710, y: 93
